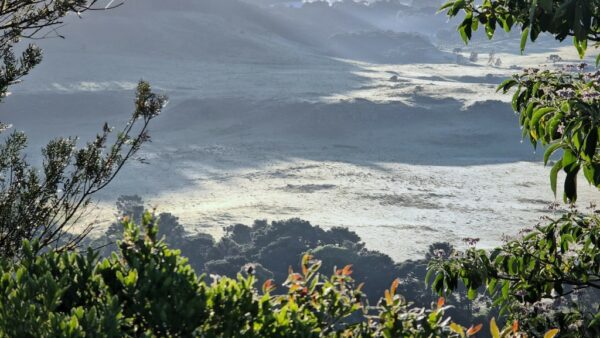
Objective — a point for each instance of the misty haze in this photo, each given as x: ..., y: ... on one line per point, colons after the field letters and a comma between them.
x: 346, y: 115
x: 364, y: 132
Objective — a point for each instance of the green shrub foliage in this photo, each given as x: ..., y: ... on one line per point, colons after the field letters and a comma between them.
x: 269, y: 248
x: 561, y: 18
x: 549, y: 277
x: 149, y: 290
x: 557, y: 108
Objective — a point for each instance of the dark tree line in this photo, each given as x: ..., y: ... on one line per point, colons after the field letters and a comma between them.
x: 267, y: 250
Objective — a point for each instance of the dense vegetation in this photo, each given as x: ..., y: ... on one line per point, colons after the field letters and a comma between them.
x: 149, y: 290
x: 549, y: 275
x: 268, y: 249
x: 557, y: 108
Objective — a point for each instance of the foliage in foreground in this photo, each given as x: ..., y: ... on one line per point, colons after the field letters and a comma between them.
x: 557, y: 108
x: 150, y: 290
x: 560, y: 18
x: 268, y: 248
x: 46, y: 203
x: 549, y: 277
x: 560, y: 110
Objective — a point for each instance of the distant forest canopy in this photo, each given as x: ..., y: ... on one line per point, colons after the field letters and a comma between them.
x: 270, y: 248
x: 146, y: 289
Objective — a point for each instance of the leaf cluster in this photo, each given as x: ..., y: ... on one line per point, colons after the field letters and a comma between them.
x: 541, y: 279
x: 579, y: 19
x: 560, y: 110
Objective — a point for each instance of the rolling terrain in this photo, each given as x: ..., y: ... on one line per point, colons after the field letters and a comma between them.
x: 348, y: 115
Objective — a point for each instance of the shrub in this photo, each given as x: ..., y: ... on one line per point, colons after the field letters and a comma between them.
x: 547, y: 278
x: 148, y: 290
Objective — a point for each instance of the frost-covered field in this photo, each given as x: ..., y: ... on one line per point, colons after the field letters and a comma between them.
x: 404, y: 154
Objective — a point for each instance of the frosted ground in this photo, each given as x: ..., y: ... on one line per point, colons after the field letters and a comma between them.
x: 262, y: 124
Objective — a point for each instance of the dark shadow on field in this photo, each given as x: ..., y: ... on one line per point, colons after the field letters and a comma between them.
x: 229, y: 134
x: 360, y: 131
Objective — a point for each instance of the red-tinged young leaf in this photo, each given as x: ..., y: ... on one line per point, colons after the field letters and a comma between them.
x: 394, y: 287
x: 268, y: 285
x: 440, y: 303
x: 474, y: 329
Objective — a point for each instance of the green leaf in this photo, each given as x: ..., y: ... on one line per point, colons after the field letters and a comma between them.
x: 570, y: 194
x: 535, y: 89
x: 580, y: 45
x: 428, y: 276
x: 490, y: 28
x: 553, y: 175
x: 550, y: 150
x: 506, y: 85
x: 131, y: 278
x: 589, y: 145
x: 438, y: 284
x: 491, y: 287
x: 456, y: 7
x: 529, y: 110
x: 524, y: 36
x: 74, y: 323
x: 538, y: 114
x: 474, y: 25
x: 515, y: 99
x: 568, y: 160
x: 589, y: 172
x: 446, y: 5
x: 472, y: 293
x: 465, y: 29
x: 505, y: 289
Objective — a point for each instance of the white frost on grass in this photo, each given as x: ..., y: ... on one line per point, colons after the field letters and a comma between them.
x: 397, y: 208
x: 91, y: 86
x: 470, y: 82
